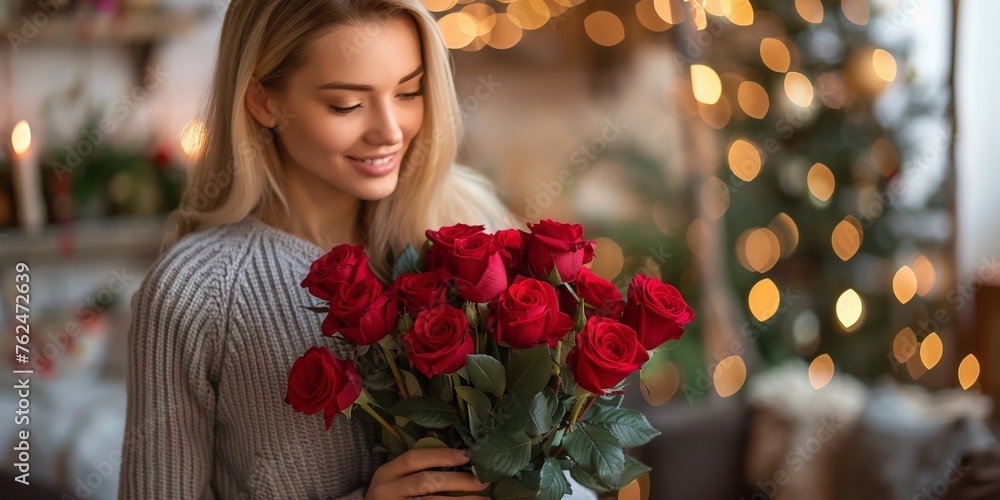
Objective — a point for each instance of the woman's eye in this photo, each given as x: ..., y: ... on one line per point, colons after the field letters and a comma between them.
x: 413, y: 94
x: 343, y: 111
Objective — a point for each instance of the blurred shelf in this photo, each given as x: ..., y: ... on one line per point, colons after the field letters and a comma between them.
x: 86, y: 238
x: 142, y: 26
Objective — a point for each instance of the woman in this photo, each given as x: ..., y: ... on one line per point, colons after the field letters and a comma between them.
x: 330, y: 121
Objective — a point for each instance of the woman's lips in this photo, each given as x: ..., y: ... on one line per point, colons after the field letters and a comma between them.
x: 375, y: 170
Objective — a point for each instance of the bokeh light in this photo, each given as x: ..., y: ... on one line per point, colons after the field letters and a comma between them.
x: 904, y: 284
x: 604, y: 28
x: 856, y: 11
x: 810, y: 10
x: 798, y: 88
x: 705, y: 83
x: 904, y: 345
x: 821, y: 182
x: 193, y: 137
x: 846, y: 238
x: 884, y: 65
x: 753, y: 99
x: 787, y: 232
x: 931, y: 350
x: 968, y: 371
x: 744, y: 159
x: 821, y: 371
x: 849, y: 308
x: 729, y: 376
x: 924, y: 270
x: 774, y: 54
x: 764, y: 299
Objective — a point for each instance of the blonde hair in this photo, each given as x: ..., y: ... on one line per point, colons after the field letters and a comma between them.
x: 238, y: 170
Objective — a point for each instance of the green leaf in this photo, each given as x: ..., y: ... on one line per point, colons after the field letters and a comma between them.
x: 594, y: 447
x: 633, y: 469
x: 317, y: 309
x: 554, y: 279
x: 439, y: 387
x: 395, y: 447
x: 412, y: 384
x: 628, y: 426
x: 529, y: 370
x: 501, y: 454
x: 580, y: 316
x: 588, y: 480
x: 513, y: 411
x: 553, y: 484
x: 486, y: 373
x: 530, y: 476
x: 554, y: 440
x: 476, y: 399
x: 375, y: 377
x: 540, y: 412
x: 409, y: 261
x: 428, y: 412
x: 429, y: 442
x: 512, y: 489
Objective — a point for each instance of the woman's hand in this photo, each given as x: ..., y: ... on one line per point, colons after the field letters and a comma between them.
x: 408, y: 476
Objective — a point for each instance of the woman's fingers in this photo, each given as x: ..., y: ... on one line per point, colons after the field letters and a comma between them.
x: 429, y: 482
x: 419, y: 459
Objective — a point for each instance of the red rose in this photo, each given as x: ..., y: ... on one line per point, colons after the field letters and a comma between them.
x: 656, y: 311
x: 439, y: 340
x: 320, y: 381
x: 559, y: 245
x: 596, y: 291
x: 606, y: 352
x: 477, y: 265
x: 362, y: 312
x: 444, y: 243
x: 514, y: 245
x: 419, y: 291
x: 528, y: 315
x: 342, y: 264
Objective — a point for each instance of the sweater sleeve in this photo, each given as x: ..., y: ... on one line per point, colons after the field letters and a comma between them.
x: 173, y: 357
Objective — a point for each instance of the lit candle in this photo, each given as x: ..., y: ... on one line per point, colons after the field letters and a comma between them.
x: 27, y: 180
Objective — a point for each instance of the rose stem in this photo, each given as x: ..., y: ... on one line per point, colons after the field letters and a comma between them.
x: 371, y: 411
x: 576, y: 415
x: 395, y: 372
x: 455, y: 382
x: 587, y: 408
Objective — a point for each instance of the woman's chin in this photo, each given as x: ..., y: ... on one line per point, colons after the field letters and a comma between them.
x: 377, y: 189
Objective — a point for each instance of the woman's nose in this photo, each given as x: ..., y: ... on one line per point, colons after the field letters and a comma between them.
x: 384, y: 128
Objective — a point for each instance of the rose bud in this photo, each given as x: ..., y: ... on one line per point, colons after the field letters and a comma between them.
x: 556, y: 245
x: 595, y: 291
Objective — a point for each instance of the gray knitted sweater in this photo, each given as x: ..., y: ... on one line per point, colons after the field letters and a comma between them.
x: 216, y: 326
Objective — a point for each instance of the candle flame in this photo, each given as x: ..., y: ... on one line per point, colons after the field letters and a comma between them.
x: 20, y: 138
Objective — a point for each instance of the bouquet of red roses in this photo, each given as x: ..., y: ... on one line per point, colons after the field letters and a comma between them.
x: 503, y: 344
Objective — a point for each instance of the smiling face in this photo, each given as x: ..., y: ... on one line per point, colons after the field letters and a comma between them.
x: 358, y: 96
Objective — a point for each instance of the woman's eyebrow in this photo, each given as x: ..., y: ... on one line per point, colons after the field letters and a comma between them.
x: 363, y: 87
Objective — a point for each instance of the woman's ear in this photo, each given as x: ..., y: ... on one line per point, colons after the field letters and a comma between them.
x: 257, y: 102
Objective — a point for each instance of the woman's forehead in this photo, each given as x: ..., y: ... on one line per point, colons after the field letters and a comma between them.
x: 376, y: 55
